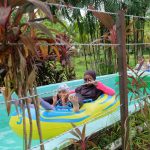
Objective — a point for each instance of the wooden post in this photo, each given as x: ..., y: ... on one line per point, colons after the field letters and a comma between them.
x: 122, y: 66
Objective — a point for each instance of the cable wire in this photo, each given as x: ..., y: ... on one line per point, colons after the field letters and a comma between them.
x: 91, y: 10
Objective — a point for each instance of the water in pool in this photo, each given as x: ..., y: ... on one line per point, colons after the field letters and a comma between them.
x: 8, y: 139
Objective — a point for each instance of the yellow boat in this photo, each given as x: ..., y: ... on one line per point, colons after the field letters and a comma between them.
x: 56, y: 122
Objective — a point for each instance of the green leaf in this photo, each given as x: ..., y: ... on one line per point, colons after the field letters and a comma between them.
x: 75, y: 134
x: 42, y: 28
x: 83, y: 132
x: 56, y: 20
x: 77, y: 130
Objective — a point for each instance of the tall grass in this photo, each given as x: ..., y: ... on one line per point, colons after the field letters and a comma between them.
x: 102, y: 68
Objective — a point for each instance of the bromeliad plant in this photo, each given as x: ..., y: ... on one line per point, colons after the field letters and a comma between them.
x: 20, y: 50
x: 80, y: 140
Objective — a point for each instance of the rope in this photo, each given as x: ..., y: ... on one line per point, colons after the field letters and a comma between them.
x: 79, y: 8
x: 78, y: 44
x: 63, y: 44
x: 82, y: 44
x: 138, y: 44
x: 141, y: 17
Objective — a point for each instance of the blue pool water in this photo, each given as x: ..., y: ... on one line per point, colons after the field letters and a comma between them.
x: 9, y: 140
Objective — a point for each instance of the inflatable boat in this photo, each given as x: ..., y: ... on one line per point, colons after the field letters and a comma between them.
x: 58, y: 121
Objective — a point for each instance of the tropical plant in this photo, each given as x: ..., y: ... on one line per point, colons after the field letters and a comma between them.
x: 57, y: 65
x: 81, y: 140
x: 50, y: 72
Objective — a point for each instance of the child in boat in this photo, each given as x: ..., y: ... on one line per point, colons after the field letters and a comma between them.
x: 62, y: 98
x: 92, y: 89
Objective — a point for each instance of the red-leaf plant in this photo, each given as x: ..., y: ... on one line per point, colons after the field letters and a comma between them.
x: 19, y: 43
x: 81, y: 140
x: 18, y: 54
x: 108, y: 21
